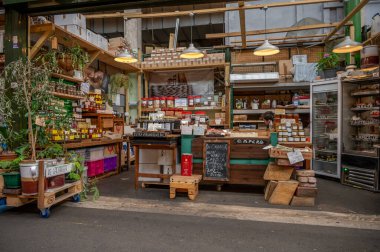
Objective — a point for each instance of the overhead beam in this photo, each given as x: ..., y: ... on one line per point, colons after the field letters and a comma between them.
x: 242, y: 24
x: 284, y: 38
x: 204, y: 11
x: 40, y: 42
x: 347, y: 18
x: 275, y: 30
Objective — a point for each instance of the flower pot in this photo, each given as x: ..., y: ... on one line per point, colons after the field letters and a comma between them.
x: 329, y: 73
x: 65, y: 63
x: 29, y: 177
x: 78, y: 74
x: 12, y: 180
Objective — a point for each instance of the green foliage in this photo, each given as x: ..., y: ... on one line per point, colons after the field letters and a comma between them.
x: 328, y: 61
x: 51, y: 151
x: 117, y: 81
x: 14, y: 165
x: 78, y: 56
x: 90, y: 189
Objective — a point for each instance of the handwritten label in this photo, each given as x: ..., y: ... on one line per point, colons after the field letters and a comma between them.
x: 279, y: 111
x: 149, y: 134
x: 295, y: 157
x: 216, y: 161
x: 249, y: 141
x: 56, y: 170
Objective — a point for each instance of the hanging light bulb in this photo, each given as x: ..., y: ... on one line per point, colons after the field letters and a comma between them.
x: 125, y: 57
x: 347, y: 46
x: 191, y: 52
x: 266, y: 48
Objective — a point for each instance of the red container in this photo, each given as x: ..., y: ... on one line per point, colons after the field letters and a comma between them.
x: 187, y: 164
x: 95, y: 167
x: 55, y: 182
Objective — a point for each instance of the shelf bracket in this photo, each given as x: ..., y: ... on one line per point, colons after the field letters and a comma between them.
x: 93, y: 57
x: 39, y: 43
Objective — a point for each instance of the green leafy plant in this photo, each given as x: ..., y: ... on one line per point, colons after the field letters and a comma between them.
x: 26, y: 90
x: 52, y: 151
x: 77, y: 173
x: 14, y: 165
x: 328, y: 61
x: 118, y: 81
x: 78, y: 56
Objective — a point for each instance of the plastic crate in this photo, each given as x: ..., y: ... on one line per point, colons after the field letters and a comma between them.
x: 110, y: 163
x: 95, y: 167
x: 94, y: 153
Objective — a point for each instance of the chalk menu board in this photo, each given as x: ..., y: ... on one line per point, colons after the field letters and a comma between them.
x: 216, y: 160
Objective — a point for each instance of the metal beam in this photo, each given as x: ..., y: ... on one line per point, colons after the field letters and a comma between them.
x: 205, y: 11
x: 284, y: 38
x: 275, y: 30
x: 346, y: 19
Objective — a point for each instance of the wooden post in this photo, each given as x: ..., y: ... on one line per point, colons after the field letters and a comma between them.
x: 171, y: 40
x: 228, y: 94
x: 41, y: 185
x: 146, y: 85
x: 139, y: 86
x: 352, y: 36
x: 137, y: 157
x: 54, y: 43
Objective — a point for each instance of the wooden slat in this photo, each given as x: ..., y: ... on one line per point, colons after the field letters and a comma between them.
x: 275, y: 172
x: 275, y: 30
x: 269, y: 189
x: 242, y: 24
x: 283, y: 193
x: 347, y: 18
x: 247, y: 174
x: 284, y: 38
x: 91, y: 143
x: 40, y: 42
x: 204, y: 11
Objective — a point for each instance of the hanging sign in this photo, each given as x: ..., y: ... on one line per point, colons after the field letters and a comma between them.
x: 295, y: 156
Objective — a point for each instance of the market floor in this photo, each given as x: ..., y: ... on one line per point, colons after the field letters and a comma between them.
x: 83, y: 229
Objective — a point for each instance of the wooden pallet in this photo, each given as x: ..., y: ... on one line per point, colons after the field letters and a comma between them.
x: 54, y: 196
x: 187, y: 184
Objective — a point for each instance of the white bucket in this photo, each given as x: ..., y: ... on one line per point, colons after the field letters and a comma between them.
x: 29, y: 178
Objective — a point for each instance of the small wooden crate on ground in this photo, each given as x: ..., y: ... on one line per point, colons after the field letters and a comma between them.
x: 187, y: 184
x: 275, y: 172
x: 281, y: 192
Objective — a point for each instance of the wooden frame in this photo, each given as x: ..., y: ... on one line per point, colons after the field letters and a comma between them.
x: 205, y: 142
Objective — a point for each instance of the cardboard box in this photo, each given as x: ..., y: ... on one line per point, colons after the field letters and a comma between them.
x: 70, y: 19
x: 284, y: 67
x: 76, y: 30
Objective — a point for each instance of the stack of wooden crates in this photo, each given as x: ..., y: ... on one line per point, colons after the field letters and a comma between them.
x: 289, y: 184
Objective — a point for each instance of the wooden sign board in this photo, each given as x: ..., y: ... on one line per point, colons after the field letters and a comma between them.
x: 216, y: 160
x: 56, y: 170
x: 149, y: 134
x: 253, y: 141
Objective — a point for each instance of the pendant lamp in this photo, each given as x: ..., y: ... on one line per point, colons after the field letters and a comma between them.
x: 191, y: 52
x: 125, y: 57
x: 347, y: 46
x: 266, y: 48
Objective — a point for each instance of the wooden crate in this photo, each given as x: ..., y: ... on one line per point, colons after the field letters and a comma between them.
x: 187, y: 184
x: 286, y: 162
x: 278, y: 153
x: 107, y: 123
x: 303, y: 201
x: 275, y: 172
x: 283, y: 192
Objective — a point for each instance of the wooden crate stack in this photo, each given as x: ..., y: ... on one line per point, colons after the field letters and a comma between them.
x: 281, y: 189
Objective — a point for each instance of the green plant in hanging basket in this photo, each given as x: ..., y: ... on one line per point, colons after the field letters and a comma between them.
x: 79, y: 57
x: 118, y: 81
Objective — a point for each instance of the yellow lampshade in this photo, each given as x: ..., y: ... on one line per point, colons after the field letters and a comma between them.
x: 125, y: 57
x: 347, y: 46
x: 192, y: 53
x: 266, y: 49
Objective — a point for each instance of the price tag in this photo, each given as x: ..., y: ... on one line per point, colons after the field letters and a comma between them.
x: 98, y: 91
x: 40, y: 121
x: 279, y: 111
x: 295, y: 157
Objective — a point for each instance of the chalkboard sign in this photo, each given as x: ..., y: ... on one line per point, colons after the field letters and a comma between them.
x: 216, y: 160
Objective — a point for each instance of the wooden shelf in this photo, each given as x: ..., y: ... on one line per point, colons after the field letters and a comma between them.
x: 175, y: 68
x: 249, y: 121
x: 67, y: 96
x: 65, y: 77
x: 69, y: 39
x: 90, y: 143
x: 85, y: 114
x: 261, y: 111
x: 183, y: 109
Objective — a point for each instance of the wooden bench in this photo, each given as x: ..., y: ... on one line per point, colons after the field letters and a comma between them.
x: 187, y: 184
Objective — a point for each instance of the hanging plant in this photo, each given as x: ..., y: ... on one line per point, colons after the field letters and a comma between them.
x: 79, y: 57
x: 118, y: 81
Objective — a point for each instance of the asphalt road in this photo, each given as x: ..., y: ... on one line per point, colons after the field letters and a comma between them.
x: 83, y: 229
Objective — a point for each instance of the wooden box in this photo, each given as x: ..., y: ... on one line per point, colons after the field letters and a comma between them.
x: 107, y: 123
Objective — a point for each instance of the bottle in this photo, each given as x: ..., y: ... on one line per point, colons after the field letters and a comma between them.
x: 274, y: 104
x: 295, y: 99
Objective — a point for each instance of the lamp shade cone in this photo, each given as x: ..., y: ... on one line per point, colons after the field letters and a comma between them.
x: 347, y: 46
x: 192, y: 53
x: 266, y: 49
x: 125, y: 57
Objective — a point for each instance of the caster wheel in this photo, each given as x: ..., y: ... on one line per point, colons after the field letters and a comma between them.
x: 45, y: 213
x: 76, y: 198
x: 219, y: 188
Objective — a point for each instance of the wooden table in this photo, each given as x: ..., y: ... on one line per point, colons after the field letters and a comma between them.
x: 168, y: 143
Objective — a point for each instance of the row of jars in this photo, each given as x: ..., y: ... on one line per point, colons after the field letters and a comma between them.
x: 65, y: 88
x: 60, y: 135
x: 170, y: 101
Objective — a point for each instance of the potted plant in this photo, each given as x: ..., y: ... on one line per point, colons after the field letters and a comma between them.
x: 79, y: 59
x: 328, y: 64
x: 118, y: 81
x: 10, y: 169
x: 26, y: 87
x: 53, y: 153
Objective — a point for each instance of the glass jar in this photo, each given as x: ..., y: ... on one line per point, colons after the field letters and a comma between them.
x: 156, y: 102
x: 170, y: 102
x: 150, y: 103
x: 144, y: 102
x: 162, y: 102
x: 198, y: 100
x: 190, y: 101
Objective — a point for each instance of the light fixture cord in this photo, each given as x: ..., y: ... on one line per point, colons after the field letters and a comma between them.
x: 265, y: 21
x: 191, y: 30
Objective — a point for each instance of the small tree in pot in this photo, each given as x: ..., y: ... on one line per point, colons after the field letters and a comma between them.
x: 328, y: 64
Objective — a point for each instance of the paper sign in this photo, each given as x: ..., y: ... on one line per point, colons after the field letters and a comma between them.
x: 295, y: 157
x: 279, y: 111
x: 40, y: 121
x: 98, y: 91
x: 85, y: 87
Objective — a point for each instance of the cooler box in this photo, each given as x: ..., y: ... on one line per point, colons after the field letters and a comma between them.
x: 110, y: 163
x: 95, y: 167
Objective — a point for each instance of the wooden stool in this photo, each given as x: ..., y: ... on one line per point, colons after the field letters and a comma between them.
x: 187, y: 184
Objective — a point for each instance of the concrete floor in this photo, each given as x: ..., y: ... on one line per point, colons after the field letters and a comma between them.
x: 236, y: 219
